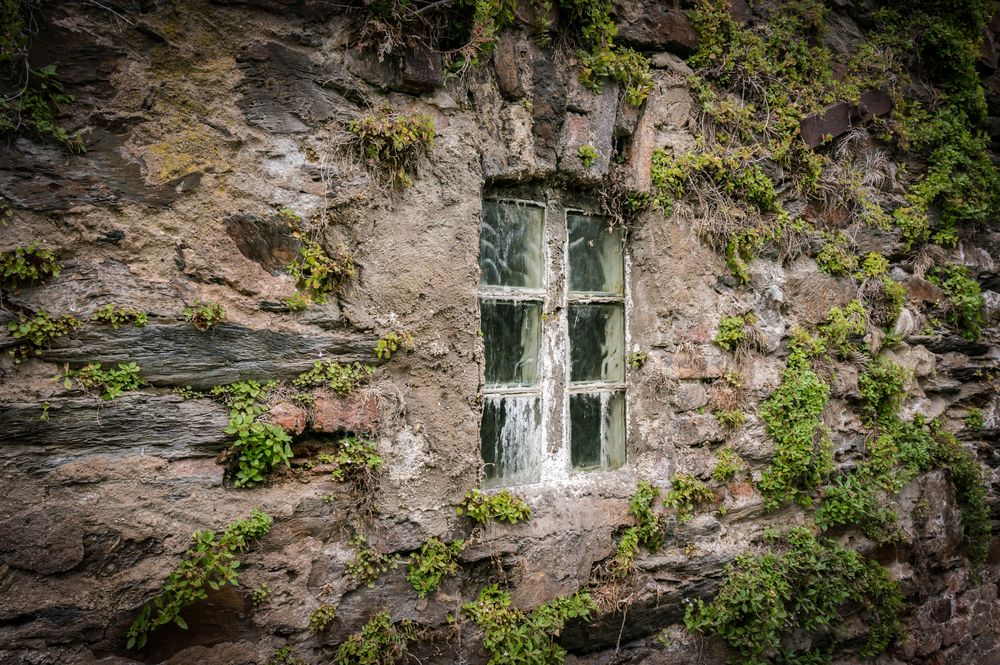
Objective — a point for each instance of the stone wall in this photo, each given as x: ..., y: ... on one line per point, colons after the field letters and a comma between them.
x: 202, y: 120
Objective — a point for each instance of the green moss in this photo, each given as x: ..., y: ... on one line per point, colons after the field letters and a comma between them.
x: 802, y: 584
x: 965, y: 299
x: 969, y: 480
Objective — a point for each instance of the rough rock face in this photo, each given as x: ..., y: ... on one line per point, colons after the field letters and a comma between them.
x: 202, y: 121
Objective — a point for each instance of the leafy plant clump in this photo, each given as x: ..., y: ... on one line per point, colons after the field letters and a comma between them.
x: 321, y: 618
x: 357, y: 460
x: 116, y: 316
x: 391, y: 342
x: 883, y: 296
x: 379, y: 642
x: 25, y: 265
x: 318, y: 273
x: 842, y: 326
x: 111, y: 383
x: 435, y: 561
x: 686, y: 494
x: 974, y: 419
x: 210, y: 562
x: 792, y: 417
x: 37, y: 331
x: 341, y: 379
x: 286, y: 655
x: 730, y: 420
x: 881, y: 388
x: 834, y: 258
x: 802, y: 584
x: 260, y: 446
x: 587, y: 154
x: 647, y: 531
x: 968, y: 477
x: 728, y: 464
x: 369, y: 564
x: 500, y: 507
x: 965, y: 299
x: 513, y: 637
x: 204, y: 316
x: 739, y: 334
x: 392, y: 142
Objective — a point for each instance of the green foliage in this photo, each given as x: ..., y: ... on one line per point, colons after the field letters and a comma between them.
x: 513, y: 637
x: 965, y: 300
x: 37, y: 331
x: 687, y: 493
x: 210, y: 562
x: 587, y: 154
x: 970, y: 492
x: 260, y: 594
x: 728, y: 464
x: 369, y: 564
x: 672, y: 176
x: 204, y: 316
x: 357, y: 460
x: 260, y: 446
x: 389, y: 343
x: 286, y: 655
x: 881, y: 388
x: 321, y: 618
x: 647, y: 532
x: 834, y: 258
x: 111, y: 383
x: 36, y: 105
x: 24, y: 265
x: 500, y: 507
x: 297, y: 302
x: 341, y: 379
x: 117, y: 316
x: 630, y: 68
x: 730, y: 420
x: 392, y: 142
x: 738, y: 334
x: 803, y: 584
x: 379, y: 642
x: 974, y: 419
x: 434, y: 561
x: 636, y: 359
x: 318, y: 273
x: 883, y: 296
x: 841, y: 325
x: 792, y: 417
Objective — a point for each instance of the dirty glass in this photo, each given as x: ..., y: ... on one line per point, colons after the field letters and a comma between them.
x: 595, y: 256
x: 597, y: 429
x: 510, y: 440
x: 510, y: 245
x: 511, y: 338
x: 596, y: 341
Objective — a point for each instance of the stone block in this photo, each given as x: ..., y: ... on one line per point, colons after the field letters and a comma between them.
x: 353, y: 413
x: 420, y: 69
x: 509, y: 57
x: 829, y: 123
x: 873, y: 104
x: 288, y: 417
x: 657, y: 26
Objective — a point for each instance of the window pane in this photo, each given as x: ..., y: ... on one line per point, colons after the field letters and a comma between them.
x: 595, y: 255
x: 510, y: 440
x: 511, y: 337
x: 596, y: 342
x: 510, y: 245
x: 597, y: 430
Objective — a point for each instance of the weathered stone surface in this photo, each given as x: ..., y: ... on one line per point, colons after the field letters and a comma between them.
x: 421, y: 69
x: 655, y: 25
x: 830, y: 123
x: 289, y: 417
x: 179, y: 355
x: 354, y: 413
x: 42, y: 541
x: 166, y: 426
x: 510, y: 62
x: 873, y: 104
x: 269, y: 242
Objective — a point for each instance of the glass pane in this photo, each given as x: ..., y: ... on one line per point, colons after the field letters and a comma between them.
x: 597, y: 430
x: 595, y: 255
x: 597, y: 343
x: 510, y: 244
x: 510, y: 437
x: 511, y: 337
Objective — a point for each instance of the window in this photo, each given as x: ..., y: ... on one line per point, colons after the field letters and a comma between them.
x: 571, y: 368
